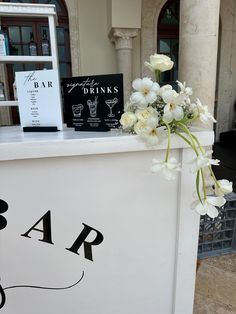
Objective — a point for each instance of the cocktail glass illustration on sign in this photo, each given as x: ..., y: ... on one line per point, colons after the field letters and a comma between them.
x: 111, y: 103
x: 77, y: 110
x: 93, y: 107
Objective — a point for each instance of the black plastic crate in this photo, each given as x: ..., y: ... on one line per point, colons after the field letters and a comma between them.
x: 218, y: 236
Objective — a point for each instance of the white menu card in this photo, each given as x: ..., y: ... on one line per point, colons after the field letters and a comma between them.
x: 39, y: 98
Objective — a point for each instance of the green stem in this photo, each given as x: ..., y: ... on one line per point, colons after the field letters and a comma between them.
x: 209, y: 167
x: 203, y: 183
x: 168, y: 145
x: 158, y: 75
x: 198, y: 143
x: 184, y: 138
x: 186, y: 130
x: 213, y: 176
x: 197, y: 185
x: 192, y: 144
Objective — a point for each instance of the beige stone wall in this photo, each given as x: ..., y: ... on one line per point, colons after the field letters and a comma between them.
x: 124, y: 13
x: 97, y: 53
x: 90, y: 44
x: 226, y: 67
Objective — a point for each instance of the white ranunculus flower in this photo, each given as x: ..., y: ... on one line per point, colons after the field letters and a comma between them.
x: 208, y: 206
x: 203, y: 161
x: 145, y: 92
x: 225, y: 187
x: 204, y: 115
x: 128, y: 119
x: 128, y: 107
x: 164, y: 88
x: 169, y: 168
x: 153, y: 135
x: 159, y: 62
x: 172, y: 109
x: 183, y: 89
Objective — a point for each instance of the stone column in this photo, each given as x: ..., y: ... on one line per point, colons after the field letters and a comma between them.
x: 199, y: 23
x: 123, y: 39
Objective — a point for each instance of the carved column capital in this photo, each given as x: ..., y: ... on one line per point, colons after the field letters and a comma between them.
x: 122, y: 37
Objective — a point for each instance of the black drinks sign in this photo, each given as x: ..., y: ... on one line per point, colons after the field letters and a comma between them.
x: 93, y: 102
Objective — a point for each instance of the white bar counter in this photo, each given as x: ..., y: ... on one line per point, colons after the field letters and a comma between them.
x: 87, y: 219
x: 15, y: 144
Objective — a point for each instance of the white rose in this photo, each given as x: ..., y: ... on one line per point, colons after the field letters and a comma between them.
x: 225, y: 187
x: 159, y: 62
x: 142, y: 114
x: 128, y: 119
x: 140, y: 127
x: 148, y: 116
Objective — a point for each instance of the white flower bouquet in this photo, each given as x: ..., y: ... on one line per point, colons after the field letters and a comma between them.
x: 155, y: 112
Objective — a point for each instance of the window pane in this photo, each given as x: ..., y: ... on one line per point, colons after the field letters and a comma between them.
x: 63, y: 69
x: 44, y: 28
x: 171, y: 15
x: 17, y: 67
x: 60, y: 35
x: 164, y: 46
x: 61, y: 53
x: 30, y: 67
x: 165, y: 77
x: 47, y: 66
x: 15, y: 50
x: 25, y: 31
x: 25, y: 50
x: 14, y: 33
x: 175, y: 51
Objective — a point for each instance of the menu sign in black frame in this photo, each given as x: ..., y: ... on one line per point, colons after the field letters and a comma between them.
x: 93, y: 102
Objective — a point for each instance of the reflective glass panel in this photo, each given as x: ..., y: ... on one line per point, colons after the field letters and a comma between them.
x: 30, y: 67
x: 14, y: 33
x: 60, y: 35
x: 164, y: 45
x: 171, y: 15
x: 25, y: 50
x: 25, y: 32
x: 63, y: 70
x: 61, y: 53
x: 15, y: 49
x: 47, y: 66
x: 17, y: 67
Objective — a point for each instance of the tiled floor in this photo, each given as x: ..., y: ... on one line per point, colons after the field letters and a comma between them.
x: 216, y: 286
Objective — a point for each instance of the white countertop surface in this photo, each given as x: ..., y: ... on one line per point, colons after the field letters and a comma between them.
x: 15, y: 144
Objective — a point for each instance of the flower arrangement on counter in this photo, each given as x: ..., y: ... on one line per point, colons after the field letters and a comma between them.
x: 155, y: 112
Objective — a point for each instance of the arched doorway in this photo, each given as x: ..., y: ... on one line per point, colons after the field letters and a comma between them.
x: 19, y: 30
x: 168, y: 38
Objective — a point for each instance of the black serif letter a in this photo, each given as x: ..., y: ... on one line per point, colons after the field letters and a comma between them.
x: 46, y: 230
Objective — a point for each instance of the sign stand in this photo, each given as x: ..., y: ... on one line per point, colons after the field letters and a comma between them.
x: 40, y: 129
x: 104, y: 128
